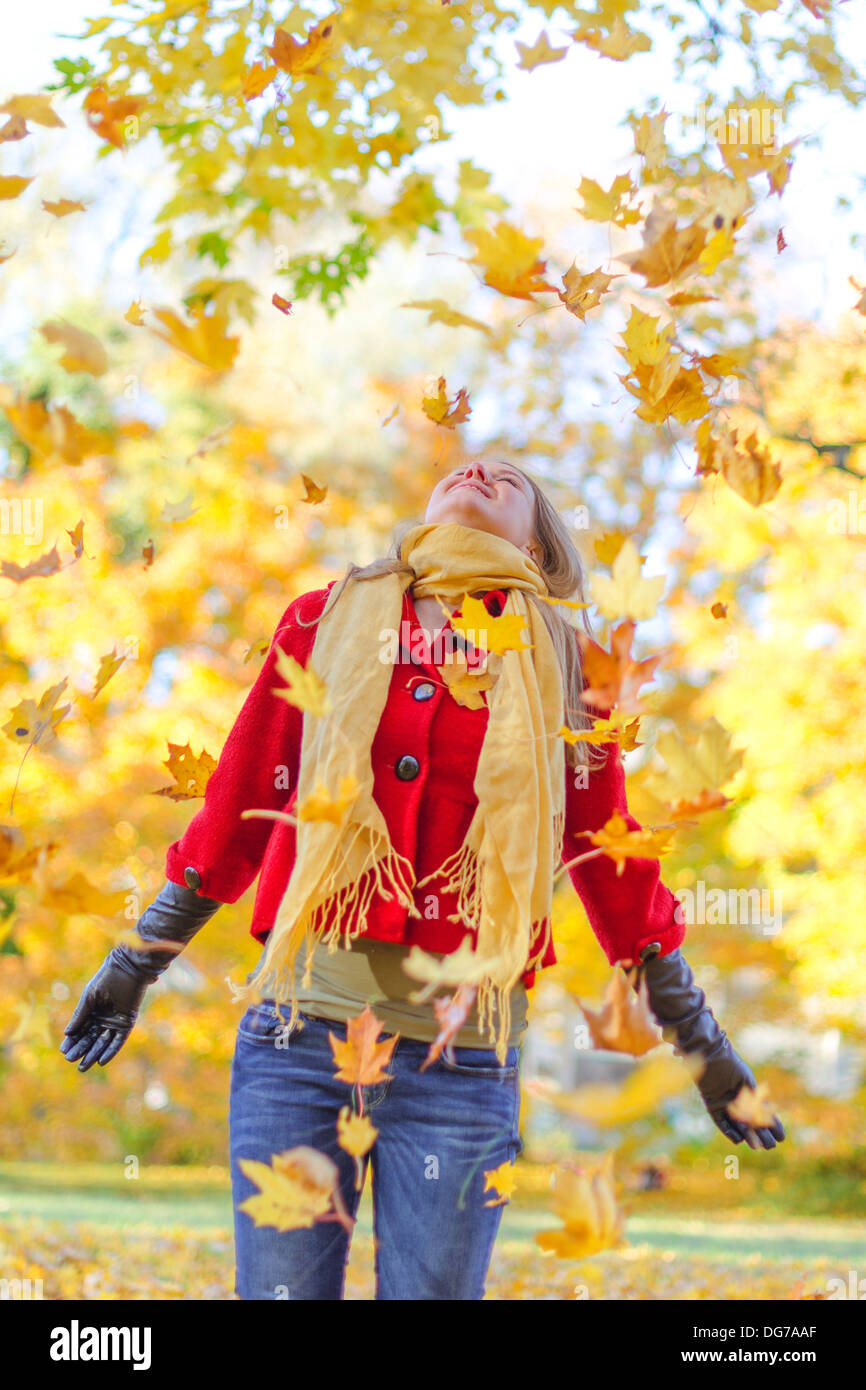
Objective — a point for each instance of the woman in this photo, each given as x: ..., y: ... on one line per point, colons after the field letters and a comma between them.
x: 454, y: 802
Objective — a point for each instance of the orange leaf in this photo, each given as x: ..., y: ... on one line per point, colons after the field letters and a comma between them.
x: 361, y: 1060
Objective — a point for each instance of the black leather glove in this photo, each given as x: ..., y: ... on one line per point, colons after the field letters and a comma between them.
x: 109, y: 1005
x: 686, y: 1020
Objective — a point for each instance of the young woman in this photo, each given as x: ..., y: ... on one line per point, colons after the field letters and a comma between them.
x: 443, y: 810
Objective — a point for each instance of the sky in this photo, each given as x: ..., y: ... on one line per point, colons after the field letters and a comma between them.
x: 560, y: 122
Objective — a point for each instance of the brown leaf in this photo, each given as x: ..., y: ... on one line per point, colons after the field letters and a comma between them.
x: 624, y: 1022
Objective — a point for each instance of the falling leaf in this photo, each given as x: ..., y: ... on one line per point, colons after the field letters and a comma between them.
x: 81, y: 351
x: 108, y: 664
x: 181, y: 510
x: 648, y: 1084
x: 355, y: 1133
x: 36, y: 108
x: 510, y: 260
x: 626, y: 594
x: 781, y: 243
x: 361, y: 1059
x: 458, y: 967
x: 319, y: 805
x: 540, y: 52
x: 624, y: 1022
x: 105, y: 114
x: 705, y: 763
x: 147, y: 555
x: 497, y: 635
x: 719, y: 610
x: 608, y: 205
x: 135, y: 313
x: 314, y: 493
x: 48, y: 563
x: 11, y: 185
x: 442, y: 412
x: 441, y: 312
x: 753, y: 1106
x: 78, y: 894
x: 671, y: 253
x: 205, y: 340
x: 14, y: 129
x: 307, y: 691
x: 583, y: 292
x: 298, y: 58
x: 16, y: 862
x: 35, y: 724
x: 256, y: 79
x: 464, y: 684
x: 284, y: 305
x: 63, y: 207
x: 451, y: 1015
x: 191, y: 773
x: 619, y: 843
x: 614, y: 677
x: 298, y: 1187
x: 619, y: 43
x: 502, y: 1180
x: 584, y: 1199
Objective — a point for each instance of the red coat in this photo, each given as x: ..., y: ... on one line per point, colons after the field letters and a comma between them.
x: 427, y: 813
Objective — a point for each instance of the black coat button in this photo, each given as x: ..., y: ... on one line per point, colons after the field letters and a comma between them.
x: 192, y: 877
x: 424, y: 691
x: 651, y: 951
x: 407, y: 767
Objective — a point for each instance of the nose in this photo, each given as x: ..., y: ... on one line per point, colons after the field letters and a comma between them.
x: 476, y: 470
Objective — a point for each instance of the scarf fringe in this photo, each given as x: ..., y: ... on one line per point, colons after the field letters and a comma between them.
x: 385, y: 870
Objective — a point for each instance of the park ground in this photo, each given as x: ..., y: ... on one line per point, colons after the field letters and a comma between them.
x: 86, y: 1232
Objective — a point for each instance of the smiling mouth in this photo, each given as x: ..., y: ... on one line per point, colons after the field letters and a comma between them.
x: 476, y: 486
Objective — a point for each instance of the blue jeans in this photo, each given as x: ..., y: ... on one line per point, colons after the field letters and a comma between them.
x: 438, y: 1132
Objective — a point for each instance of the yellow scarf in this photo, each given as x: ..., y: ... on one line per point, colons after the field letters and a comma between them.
x: 503, y: 872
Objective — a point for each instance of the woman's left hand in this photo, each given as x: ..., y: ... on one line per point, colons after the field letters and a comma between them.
x: 682, y: 1011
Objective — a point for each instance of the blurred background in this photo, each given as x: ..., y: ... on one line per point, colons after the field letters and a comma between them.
x: 186, y: 471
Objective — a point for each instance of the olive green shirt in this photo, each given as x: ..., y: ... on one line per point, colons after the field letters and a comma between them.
x: 371, y: 972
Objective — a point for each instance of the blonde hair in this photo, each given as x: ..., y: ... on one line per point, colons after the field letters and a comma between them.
x: 563, y: 569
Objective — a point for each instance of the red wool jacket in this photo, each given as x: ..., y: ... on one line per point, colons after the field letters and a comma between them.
x: 424, y: 757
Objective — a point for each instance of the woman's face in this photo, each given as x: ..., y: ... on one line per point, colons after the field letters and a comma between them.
x: 491, y: 497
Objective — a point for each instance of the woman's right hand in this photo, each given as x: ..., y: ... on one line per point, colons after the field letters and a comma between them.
x: 106, y: 1011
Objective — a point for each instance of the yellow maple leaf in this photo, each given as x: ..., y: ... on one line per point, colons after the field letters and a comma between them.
x: 62, y: 207
x: 355, y: 1133
x: 488, y: 633
x: 313, y: 492
x: 510, y: 259
x: 292, y: 56
x: 446, y: 413
x: 465, y: 684
x: 583, y: 292
x: 135, y: 313
x: 619, y: 843
x: 319, y: 805
x: 191, y: 773
x: 256, y: 79
x: 584, y: 1199
x: 205, y: 340
x: 11, y: 186
x: 33, y: 723
x: 362, y: 1057
x: 624, y: 1022
x: 609, y: 205
x: 670, y: 253
x: 539, y: 52
x: 441, y: 312
x: 36, y: 108
x: 695, y: 766
x: 306, y: 689
x: 619, y: 43
x: 81, y: 351
x: 108, y: 664
x: 296, y: 1189
x: 456, y: 968
x: 502, y: 1180
x: 626, y: 594
x: 753, y: 1106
